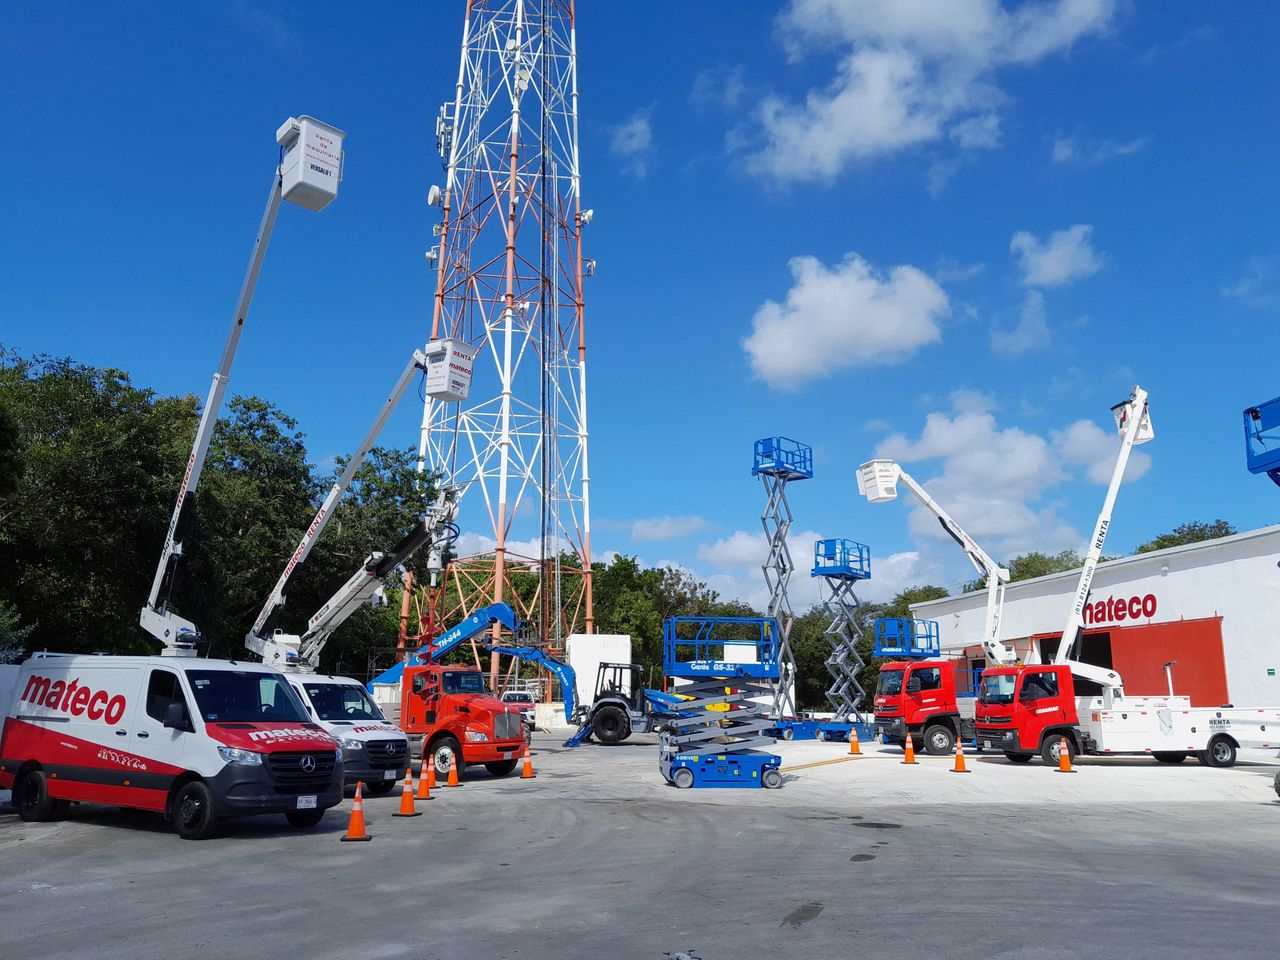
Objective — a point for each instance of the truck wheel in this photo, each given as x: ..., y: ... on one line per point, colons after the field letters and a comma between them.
x: 611, y: 725
x: 441, y: 752
x: 500, y: 768
x: 1221, y: 753
x: 304, y: 819
x: 1018, y: 757
x: 683, y: 778
x: 939, y: 740
x: 1164, y: 756
x: 1052, y: 747
x: 771, y: 779
x: 32, y: 799
x: 381, y: 787
x: 193, y: 815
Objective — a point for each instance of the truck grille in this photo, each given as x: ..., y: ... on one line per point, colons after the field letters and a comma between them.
x: 994, y: 721
x: 387, y: 754
x: 291, y: 768
x: 507, y: 726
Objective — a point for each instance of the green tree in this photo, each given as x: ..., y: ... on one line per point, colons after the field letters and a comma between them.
x: 11, y: 459
x: 1028, y: 566
x: 1192, y: 532
x: 13, y: 636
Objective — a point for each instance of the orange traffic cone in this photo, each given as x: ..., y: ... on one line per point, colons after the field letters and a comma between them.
x: 355, y: 826
x: 527, y: 773
x: 959, y: 767
x: 909, y: 749
x: 406, y: 797
x: 1064, y: 758
x: 431, y: 773
x: 855, y: 750
x: 426, y: 780
x: 453, y: 771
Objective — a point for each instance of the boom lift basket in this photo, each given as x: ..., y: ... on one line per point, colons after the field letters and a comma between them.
x: 878, y: 480
x: 310, y: 162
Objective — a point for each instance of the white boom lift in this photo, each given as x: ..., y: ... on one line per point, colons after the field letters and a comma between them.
x: 878, y: 482
x: 308, y: 174
x: 281, y: 650
x: 1133, y: 423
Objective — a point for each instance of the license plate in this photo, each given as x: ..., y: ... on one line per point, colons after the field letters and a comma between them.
x: 307, y: 802
x: 986, y: 745
x: 390, y: 774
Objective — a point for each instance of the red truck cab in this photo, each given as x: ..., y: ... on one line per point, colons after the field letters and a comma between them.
x: 1027, y: 710
x: 918, y: 698
x: 450, y: 713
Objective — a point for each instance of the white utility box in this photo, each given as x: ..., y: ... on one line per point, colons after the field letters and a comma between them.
x: 311, y: 167
x: 586, y: 651
x: 449, y: 365
x: 878, y: 480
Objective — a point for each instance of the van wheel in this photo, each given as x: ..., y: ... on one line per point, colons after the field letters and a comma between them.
x: 304, y: 819
x: 939, y: 740
x: 1221, y: 753
x: 193, y: 814
x: 1018, y: 757
x: 381, y: 788
x: 32, y: 799
x: 1169, y: 757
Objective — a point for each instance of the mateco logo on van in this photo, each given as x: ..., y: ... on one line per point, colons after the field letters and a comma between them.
x: 293, y: 733
x: 73, y: 698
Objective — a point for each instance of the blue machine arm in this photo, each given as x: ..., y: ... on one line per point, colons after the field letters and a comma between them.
x: 465, y: 629
x: 563, y: 672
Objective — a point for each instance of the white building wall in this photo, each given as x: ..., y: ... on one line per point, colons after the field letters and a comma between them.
x: 1236, y: 578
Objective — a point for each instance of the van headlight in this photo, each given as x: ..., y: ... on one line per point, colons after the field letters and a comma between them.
x: 477, y: 736
x: 350, y: 743
x: 236, y: 755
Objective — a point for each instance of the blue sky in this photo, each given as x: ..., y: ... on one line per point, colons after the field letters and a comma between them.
x: 954, y: 233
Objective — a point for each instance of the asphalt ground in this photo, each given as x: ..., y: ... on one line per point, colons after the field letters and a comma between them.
x: 598, y: 858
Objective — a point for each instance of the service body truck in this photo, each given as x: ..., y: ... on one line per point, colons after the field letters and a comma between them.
x: 374, y: 751
x: 189, y: 738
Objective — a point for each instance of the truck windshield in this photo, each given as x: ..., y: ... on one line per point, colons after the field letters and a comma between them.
x: 234, y: 696
x: 890, y: 682
x: 341, y: 701
x: 458, y: 682
x: 996, y: 688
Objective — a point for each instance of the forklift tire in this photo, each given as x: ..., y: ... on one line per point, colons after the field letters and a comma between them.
x: 1221, y: 753
x: 1052, y: 746
x: 771, y: 779
x: 500, y: 768
x: 610, y: 725
x: 382, y: 787
x: 1018, y: 757
x: 939, y: 740
x: 1164, y: 756
x: 31, y: 797
x: 193, y: 814
x: 304, y: 819
x: 683, y: 778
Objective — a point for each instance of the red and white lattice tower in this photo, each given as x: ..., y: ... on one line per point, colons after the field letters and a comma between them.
x: 509, y: 276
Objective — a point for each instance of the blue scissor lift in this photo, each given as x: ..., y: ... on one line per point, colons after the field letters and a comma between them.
x: 1262, y: 438
x: 843, y: 564
x: 713, y: 741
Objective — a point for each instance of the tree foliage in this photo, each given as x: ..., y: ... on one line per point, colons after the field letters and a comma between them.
x: 1028, y: 566
x: 1192, y: 532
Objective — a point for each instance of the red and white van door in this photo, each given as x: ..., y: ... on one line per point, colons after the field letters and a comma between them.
x: 162, y: 731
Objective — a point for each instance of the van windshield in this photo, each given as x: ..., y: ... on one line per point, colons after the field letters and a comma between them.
x: 233, y: 696
x: 996, y: 688
x: 890, y: 682
x: 457, y: 682
x: 341, y: 701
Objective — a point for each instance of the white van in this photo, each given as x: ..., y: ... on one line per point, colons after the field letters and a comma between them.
x: 373, y: 750
x: 191, y: 739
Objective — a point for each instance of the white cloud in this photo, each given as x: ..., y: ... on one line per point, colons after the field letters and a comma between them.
x: 910, y: 72
x: 739, y: 557
x: 1254, y: 288
x: 722, y: 86
x: 1069, y: 150
x: 1030, y: 333
x: 632, y: 141
x: 950, y: 270
x: 841, y: 317
x: 666, y: 528
x: 1066, y: 256
x: 1087, y: 445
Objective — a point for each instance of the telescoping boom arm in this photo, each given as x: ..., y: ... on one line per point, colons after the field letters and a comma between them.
x: 259, y: 639
x: 878, y: 480
x: 478, y: 623
x: 176, y: 633
x: 1133, y: 423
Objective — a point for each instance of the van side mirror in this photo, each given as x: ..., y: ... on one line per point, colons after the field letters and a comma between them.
x: 913, y: 685
x: 175, y: 718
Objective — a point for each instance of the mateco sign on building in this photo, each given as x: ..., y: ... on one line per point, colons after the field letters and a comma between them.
x: 1214, y: 607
